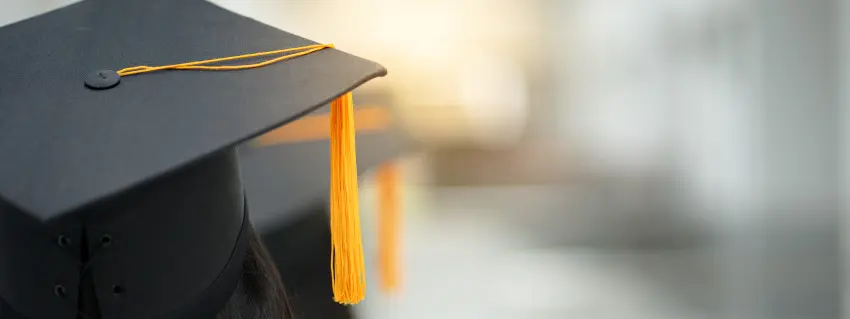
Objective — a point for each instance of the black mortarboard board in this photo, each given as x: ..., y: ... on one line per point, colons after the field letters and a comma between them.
x: 127, y: 200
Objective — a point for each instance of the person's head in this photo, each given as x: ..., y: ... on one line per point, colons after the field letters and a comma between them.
x: 260, y: 293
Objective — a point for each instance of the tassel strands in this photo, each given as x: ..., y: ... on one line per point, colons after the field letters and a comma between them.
x: 347, y: 262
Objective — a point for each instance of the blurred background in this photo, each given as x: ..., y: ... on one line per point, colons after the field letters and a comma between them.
x: 603, y: 158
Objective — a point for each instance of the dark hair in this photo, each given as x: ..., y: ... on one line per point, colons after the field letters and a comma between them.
x: 260, y: 293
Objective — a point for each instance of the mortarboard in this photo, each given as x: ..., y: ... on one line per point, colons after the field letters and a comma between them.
x: 124, y: 186
x: 285, y: 172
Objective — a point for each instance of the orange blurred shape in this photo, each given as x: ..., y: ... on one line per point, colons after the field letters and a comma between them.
x: 317, y: 127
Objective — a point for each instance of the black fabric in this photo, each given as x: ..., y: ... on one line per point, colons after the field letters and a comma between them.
x: 33, y: 264
x: 168, y: 242
x: 212, y: 300
x: 6, y: 311
x: 301, y: 250
x: 206, y: 305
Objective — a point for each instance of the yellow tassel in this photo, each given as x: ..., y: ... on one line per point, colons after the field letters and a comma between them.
x: 347, y: 265
x: 389, y: 224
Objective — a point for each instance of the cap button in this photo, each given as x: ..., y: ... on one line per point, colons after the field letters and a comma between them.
x: 59, y: 290
x: 106, y: 240
x: 63, y: 241
x: 102, y: 80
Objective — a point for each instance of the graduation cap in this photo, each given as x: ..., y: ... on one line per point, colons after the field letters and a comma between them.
x: 285, y: 173
x: 120, y: 192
